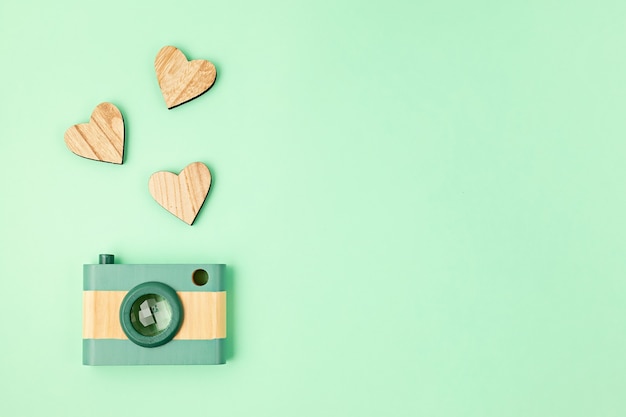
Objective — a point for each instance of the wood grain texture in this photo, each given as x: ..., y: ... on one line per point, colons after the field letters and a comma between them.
x: 102, y: 139
x: 182, y: 194
x: 101, y: 314
x: 204, y: 315
x: 181, y: 80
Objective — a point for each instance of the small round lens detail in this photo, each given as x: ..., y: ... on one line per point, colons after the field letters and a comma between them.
x: 200, y: 277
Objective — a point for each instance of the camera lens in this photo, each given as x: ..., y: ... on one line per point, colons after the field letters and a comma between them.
x: 150, y: 315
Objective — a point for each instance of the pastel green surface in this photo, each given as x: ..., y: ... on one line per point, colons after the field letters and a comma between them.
x: 422, y: 203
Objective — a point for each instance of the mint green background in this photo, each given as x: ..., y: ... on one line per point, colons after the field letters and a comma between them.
x: 423, y: 204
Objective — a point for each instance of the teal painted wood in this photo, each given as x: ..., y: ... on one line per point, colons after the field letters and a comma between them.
x: 177, y: 352
x: 119, y: 277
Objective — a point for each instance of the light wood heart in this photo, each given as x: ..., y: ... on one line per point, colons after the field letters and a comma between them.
x: 181, y: 80
x: 182, y: 194
x: 102, y: 139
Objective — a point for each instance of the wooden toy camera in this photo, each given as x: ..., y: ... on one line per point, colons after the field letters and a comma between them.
x: 153, y: 314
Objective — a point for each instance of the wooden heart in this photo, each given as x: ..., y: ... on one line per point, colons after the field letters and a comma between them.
x: 182, y: 194
x: 102, y: 139
x: 181, y: 80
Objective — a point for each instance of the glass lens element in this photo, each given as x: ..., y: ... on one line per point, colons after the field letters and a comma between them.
x: 150, y: 314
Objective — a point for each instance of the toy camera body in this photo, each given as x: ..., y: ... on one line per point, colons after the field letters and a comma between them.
x: 153, y: 314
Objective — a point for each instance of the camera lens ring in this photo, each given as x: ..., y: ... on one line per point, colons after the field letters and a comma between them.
x: 159, y: 289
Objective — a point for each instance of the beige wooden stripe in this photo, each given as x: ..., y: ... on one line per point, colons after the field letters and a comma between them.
x: 101, y: 317
x: 204, y: 315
